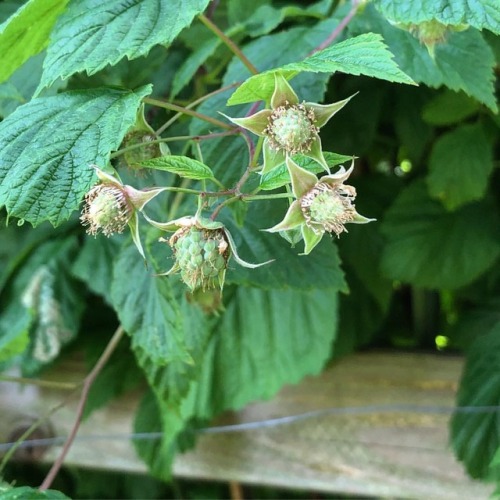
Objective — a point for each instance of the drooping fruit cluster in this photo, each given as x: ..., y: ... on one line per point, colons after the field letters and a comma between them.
x: 201, y: 256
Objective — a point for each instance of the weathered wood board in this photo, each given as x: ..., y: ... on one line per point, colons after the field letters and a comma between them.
x: 395, y: 444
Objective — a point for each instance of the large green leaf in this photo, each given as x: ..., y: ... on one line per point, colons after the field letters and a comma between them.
x: 475, y: 435
x: 449, y: 108
x: 482, y: 14
x: 148, y: 309
x: 94, y: 264
x: 263, y: 340
x: 92, y: 34
x: 447, y: 67
x: 362, y: 55
x: 429, y: 247
x: 460, y: 164
x: 27, y: 32
x: 47, y: 146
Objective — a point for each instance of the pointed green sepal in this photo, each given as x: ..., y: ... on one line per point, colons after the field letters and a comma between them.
x: 283, y: 93
x: 272, y: 157
x: 323, y: 112
x: 338, y: 177
x: 293, y: 218
x: 133, y: 224
x: 256, y: 123
x: 302, y: 180
x: 140, y: 198
x: 311, y: 239
x: 316, y: 153
x: 237, y: 258
x: 360, y: 219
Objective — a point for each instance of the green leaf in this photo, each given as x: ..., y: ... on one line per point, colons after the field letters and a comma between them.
x: 237, y: 369
x: 279, y: 176
x: 483, y: 14
x: 475, y: 322
x: 94, y: 264
x: 362, y: 55
x: 42, y: 305
x: 460, y: 164
x: 180, y: 165
x: 475, y: 435
x: 429, y: 247
x: 92, y: 34
x: 14, y: 332
x: 24, y: 492
x: 148, y: 309
x: 47, y: 146
x: 449, y: 108
x: 447, y: 67
x: 27, y: 32
x: 289, y: 269
x: 240, y: 368
x: 191, y: 65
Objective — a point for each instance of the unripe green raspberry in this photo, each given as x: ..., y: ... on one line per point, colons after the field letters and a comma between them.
x: 201, y: 256
x: 107, y: 209
x: 292, y: 129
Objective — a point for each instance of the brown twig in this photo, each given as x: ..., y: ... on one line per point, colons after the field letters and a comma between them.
x: 229, y: 43
x: 336, y: 32
x: 87, y: 384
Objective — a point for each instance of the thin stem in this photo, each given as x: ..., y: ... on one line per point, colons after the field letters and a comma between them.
x: 40, y: 383
x: 173, y: 139
x: 259, y: 197
x: 225, y: 203
x: 192, y: 105
x: 336, y: 32
x: 230, y: 44
x: 178, y: 199
x: 87, y: 384
x: 186, y: 111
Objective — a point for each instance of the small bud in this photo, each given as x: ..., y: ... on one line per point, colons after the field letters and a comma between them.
x: 107, y: 209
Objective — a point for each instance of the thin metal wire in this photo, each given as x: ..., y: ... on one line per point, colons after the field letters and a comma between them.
x: 269, y: 423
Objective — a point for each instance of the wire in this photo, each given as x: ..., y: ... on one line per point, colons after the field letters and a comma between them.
x: 269, y: 423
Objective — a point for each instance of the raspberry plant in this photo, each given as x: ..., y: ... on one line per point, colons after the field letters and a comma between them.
x: 184, y: 134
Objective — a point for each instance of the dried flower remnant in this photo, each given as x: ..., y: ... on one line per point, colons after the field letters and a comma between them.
x: 112, y: 206
x: 289, y: 126
x: 107, y: 209
x: 323, y: 205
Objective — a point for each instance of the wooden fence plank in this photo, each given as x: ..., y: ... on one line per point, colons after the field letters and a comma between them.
x: 394, y: 444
